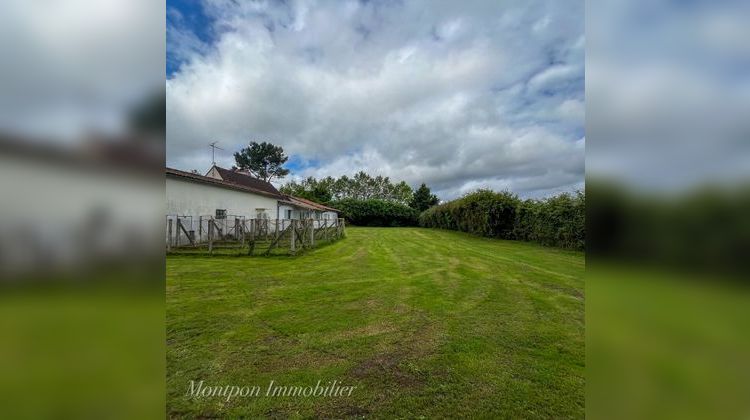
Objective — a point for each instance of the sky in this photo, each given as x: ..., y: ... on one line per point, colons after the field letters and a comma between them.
x: 75, y: 67
x: 458, y: 95
x: 667, y: 88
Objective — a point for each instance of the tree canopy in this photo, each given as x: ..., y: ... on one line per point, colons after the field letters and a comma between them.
x: 359, y: 187
x: 423, y: 199
x: 263, y: 160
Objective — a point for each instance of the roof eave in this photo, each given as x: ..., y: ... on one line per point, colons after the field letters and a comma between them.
x: 217, y: 182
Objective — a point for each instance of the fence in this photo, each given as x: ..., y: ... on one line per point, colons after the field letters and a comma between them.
x: 240, y: 235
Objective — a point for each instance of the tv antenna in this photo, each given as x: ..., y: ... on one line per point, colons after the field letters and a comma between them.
x: 213, y: 147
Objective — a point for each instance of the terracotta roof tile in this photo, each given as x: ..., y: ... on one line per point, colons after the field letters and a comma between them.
x: 221, y: 183
x: 237, y: 177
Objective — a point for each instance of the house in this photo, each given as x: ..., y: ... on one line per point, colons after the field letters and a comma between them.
x: 222, y: 193
x: 299, y: 208
x: 76, y: 205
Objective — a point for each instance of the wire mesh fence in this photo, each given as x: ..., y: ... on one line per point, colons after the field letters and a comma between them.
x: 238, y: 235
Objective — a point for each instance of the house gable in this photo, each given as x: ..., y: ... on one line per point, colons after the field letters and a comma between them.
x: 239, y: 177
x: 214, y: 173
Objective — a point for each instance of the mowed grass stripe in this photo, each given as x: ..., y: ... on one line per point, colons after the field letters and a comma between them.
x: 425, y: 322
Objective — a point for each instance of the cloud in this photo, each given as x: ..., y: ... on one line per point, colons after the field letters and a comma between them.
x: 452, y: 95
x: 75, y: 66
x: 667, y: 93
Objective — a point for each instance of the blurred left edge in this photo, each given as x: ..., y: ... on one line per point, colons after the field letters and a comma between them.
x: 81, y: 198
x: 81, y: 292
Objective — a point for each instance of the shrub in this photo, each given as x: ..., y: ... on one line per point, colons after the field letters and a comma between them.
x: 557, y: 221
x: 376, y: 213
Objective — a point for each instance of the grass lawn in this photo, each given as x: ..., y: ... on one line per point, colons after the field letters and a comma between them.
x: 81, y: 352
x: 663, y: 344
x: 423, y: 322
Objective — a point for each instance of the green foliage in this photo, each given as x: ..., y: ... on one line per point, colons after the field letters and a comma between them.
x: 376, y: 212
x: 359, y: 187
x: 423, y: 199
x: 364, y: 200
x: 263, y: 160
x: 311, y: 189
x: 703, y: 229
x: 557, y: 221
x: 149, y: 116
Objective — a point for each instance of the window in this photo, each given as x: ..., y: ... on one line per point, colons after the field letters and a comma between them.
x: 288, y: 214
x: 221, y: 213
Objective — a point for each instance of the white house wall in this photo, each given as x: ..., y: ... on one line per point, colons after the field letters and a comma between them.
x: 297, y: 213
x: 283, y: 212
x: 56, y: 204
x: 195, y: 199
x: 330, y: 215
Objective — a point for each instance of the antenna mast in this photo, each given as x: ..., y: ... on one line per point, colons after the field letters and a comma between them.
x: 213, y: 147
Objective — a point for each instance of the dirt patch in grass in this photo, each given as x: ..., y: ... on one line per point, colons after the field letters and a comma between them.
x: 570, y: 291
x: 369, y: 330
x: 276, y: 413
x: 338, y: 409
x: 397, y: 364
x: 389, y: 366
x: 365, y: 305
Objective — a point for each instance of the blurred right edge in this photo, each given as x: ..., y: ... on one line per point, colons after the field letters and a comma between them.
x: 668, y: 210
x: 667, y: 305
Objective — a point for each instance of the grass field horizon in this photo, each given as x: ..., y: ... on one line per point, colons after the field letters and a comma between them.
x: 423, y: 322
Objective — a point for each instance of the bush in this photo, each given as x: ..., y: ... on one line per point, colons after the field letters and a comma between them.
x: 557, y: 221
x: 702, y: 229
x: 376, y: 213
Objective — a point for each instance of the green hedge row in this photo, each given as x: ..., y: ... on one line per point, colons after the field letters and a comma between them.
x: 557, y: 221
x: 376, y: 212
x: 701, y: 229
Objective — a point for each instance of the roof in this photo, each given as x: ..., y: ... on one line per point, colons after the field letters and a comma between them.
x: 302, y: 202
x: 241, y: 182
x: 289, y: 201
x: 237, y: 177
x: 221, y: 183
x: 119, y: 154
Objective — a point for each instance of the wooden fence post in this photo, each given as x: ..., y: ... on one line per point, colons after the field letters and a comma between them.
x: 169, y: 234
x: 252, y: 230
x: 312, y: 233
x: 242, y: 233
x: 294, y: 235
x: 210, y: 236
x: 177, y: 232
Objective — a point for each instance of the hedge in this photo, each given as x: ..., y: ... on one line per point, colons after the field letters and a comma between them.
x: 376, y: 213
x: 701, y: 229
x: 557, y: 221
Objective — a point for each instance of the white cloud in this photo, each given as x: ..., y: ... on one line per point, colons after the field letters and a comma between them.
x: 667, y: 93
x: 73, y: 66
x: 436, y: 93
x: 572, y: 110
